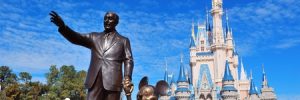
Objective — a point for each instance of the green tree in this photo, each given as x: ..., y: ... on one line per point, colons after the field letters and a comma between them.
x: 34, y: 91
x: 25, y: 87
x: 65, y: 83
x: 25, y: 77
x: 7, y: 77
x: 12, y: 92
x: 52, y: 76
x: 79, y: 89
x: 67, y: 76
x: 53, y: 85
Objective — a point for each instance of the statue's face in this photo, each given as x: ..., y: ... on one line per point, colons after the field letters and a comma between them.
x: 110, y: 21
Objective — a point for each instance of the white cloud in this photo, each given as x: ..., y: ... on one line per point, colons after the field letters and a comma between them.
x: 289, y: 43
x: 262, y: 23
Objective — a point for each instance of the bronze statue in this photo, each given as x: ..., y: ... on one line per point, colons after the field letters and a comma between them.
x: 109, y: 50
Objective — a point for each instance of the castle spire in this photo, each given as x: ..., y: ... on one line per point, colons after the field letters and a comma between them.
x: 227, y: 73
x: 207, y: 21
x: 227, y: 24
x: 192, y: 40
x: 265, y: 81
x: 243, y: 72
x: 182, y: 77
x: 166, y: 71
x: 198, y: 34
x: 252, y: 90
x: 235, y: 52
x: 208, y: 29
x: 193, y: 30
x: 228, y: 92
x: 267, y: 93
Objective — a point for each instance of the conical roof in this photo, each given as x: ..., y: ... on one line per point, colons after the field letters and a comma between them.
x: 227, y: 73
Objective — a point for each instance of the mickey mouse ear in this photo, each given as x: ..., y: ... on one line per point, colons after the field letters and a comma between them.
x: 161, y: 88
x: 143, y: 82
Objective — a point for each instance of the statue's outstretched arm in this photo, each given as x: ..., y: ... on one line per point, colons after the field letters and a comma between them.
x: 74, y: 37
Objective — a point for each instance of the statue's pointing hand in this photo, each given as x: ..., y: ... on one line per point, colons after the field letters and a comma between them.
x: 56, y: 19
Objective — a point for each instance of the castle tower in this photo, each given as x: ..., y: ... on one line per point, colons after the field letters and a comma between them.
x: 267, y: 93
x: 253, y: 94
x: 217, y: 12
x: 182, y: 92
x: 230, y: 51
x: 243, y: 83
x: 228, y: 92
x: 218, y: 46
x: 203, y: 39
x: 243, y: 73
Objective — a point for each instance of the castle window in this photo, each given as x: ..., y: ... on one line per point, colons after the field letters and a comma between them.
x: 202, y: 48
x: 202, y: 42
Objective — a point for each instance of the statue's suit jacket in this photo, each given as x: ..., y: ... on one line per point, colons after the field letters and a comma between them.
x: 109, y: 59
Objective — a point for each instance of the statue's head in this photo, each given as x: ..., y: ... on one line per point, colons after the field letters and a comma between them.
x: 111, y: 20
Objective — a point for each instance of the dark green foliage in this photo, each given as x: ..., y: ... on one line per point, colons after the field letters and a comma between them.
x: 25, y: 76
x: 62, y: 83
x: 6, y: 77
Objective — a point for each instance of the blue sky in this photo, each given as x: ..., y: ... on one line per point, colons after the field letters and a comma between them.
x: 265, y: 31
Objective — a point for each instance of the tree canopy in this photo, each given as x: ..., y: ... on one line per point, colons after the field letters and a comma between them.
x: 63, y: 82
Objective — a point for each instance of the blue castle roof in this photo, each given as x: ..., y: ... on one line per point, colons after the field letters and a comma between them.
x: 182, y: 77
x: 252, y: 88
x: 192, y: 44
x: 228, y: 77
x: 227, y: 74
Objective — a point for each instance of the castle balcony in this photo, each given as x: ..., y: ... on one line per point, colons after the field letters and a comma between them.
x: 205, y: 56
x: 219, y: 46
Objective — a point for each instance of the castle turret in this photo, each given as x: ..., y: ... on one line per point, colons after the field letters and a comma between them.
x: 228, y: 92
x: 230, y: 52
x: 228, y: 33
x: 243, y: 73
x: 182, y: 92
x: 193, y: 31
x: 218, y: 46
x: 253, y: 94
x: 192, y: 43
x: 243, y: 82
x: 267, y: 93
x: 235, y: 54
x: 217, y: 12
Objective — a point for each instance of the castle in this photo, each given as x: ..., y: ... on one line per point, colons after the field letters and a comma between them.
x: 214, y: 65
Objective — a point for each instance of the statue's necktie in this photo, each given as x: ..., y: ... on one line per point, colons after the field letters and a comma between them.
x: 106, y: 41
